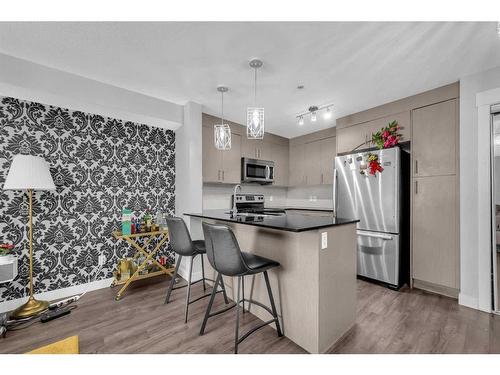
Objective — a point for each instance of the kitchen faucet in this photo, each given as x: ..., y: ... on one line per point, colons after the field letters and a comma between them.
x: 237, y: 188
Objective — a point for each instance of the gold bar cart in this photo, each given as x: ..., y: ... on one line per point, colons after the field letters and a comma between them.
x: 131, y: 239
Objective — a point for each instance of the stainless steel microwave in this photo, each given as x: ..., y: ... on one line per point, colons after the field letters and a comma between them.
x: 254, y: 170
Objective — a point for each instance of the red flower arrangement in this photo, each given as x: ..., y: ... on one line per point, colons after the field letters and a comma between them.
x: 388, y: 136
x: 373, y: 165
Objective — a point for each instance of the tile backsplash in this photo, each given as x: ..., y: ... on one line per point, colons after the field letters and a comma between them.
x: 218, y: 196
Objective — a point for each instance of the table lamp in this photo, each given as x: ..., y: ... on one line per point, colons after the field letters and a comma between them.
x: 29, y: 173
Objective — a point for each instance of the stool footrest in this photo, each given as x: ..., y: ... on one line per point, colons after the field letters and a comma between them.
x: 261, y: 325
x: 258, y: 304
x: 194, y: 282
x: 203, y: 296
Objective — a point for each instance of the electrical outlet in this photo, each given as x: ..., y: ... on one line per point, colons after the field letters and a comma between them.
x: 324, y: 240
x: 102, y: 260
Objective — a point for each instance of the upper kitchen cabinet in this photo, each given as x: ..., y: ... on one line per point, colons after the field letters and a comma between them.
x: 221, y: 166
x: 359, y: 136
x: 225, y: 166
x: 212, y: 158
x: 297, y: 165
x: 312, y: 163
x: 435, y: 139
x: 351, y: 138
x: 280, y: 156
x: 256, y: 149
x: 403, y: 119
x: 311, y: 158
x: 328, y: 151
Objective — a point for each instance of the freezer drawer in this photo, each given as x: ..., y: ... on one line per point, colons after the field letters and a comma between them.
x: 378, y: 256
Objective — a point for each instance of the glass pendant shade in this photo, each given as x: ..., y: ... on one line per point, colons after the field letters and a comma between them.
x: 222, y: 137
x: 222, y: 132
x: 255, y: 123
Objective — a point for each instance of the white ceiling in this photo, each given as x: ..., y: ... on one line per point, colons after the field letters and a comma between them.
x: 354, y: 65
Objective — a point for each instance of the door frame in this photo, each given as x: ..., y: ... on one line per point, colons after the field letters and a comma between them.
x: 484, y: 101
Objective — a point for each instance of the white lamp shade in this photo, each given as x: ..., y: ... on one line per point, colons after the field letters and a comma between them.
x: 29, y: 172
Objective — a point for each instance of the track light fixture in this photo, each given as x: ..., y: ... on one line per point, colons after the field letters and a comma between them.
x: 313, y: 112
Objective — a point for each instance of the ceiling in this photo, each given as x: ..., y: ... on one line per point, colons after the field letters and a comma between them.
x: 355, y: 65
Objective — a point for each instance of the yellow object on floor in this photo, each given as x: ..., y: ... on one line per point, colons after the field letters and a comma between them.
x: 66, y: 346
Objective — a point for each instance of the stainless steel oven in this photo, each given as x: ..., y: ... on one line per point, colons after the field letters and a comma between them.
x: 254, y: 170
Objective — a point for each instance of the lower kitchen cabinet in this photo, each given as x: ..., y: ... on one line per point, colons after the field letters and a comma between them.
x: 435, y: 233
x: 221, y: 166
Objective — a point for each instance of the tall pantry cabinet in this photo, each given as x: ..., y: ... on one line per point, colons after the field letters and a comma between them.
x: 435, y: 197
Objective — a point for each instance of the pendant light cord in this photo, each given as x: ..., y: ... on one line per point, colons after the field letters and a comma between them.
x: 222, y: 109
x: 255, y: 89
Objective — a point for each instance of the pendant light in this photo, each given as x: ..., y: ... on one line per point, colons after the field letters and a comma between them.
x: 255, y: 115
x: 222, y: 132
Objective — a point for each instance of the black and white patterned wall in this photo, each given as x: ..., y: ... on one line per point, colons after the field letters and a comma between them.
x: 99, y: 165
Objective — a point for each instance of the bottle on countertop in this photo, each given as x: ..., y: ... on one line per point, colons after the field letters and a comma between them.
x: 148, y: 220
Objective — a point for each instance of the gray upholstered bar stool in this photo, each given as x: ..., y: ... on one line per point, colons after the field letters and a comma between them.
x: 181, y: 243
x: 226, y: 257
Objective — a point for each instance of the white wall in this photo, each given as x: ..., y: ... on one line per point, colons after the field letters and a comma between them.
x: 26, y: 80
x: 189, y: 180
x: 474, y: 190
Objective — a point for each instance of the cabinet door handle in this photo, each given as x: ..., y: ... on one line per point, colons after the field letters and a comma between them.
x: 321, y: 178
x: 416, y: 166
x: 222, y: 175
x: 218, y: 176
x: 416, y: 187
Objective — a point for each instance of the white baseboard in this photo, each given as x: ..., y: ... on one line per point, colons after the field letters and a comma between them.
x: 468, y: 301
x: 57, y: 294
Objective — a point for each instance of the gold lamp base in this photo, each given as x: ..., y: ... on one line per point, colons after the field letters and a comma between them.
x: 29, y: 309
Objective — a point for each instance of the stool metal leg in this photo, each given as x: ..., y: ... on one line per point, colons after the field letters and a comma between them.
x: 236, y: 333
x: 210, y: 303
x: 188, y: 288
x: 243, y: 293
x: 172, y: 282
x: 203, y: 273
x: 223, y: 289
x: 273, y: 307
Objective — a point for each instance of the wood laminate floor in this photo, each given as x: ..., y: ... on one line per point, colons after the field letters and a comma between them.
x: 408, y: 321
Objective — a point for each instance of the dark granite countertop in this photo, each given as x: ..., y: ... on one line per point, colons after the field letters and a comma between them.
x: 303, y: 208
x: 292, y: 222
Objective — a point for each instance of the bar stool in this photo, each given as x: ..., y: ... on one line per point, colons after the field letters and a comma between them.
x: 182, y: 245
x: 227, y: 259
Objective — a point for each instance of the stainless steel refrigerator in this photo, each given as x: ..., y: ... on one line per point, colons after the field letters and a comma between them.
x: 380, y: 202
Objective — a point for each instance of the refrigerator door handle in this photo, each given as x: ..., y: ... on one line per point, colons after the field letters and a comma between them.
x: 375, y: 235
x: 335, y: 192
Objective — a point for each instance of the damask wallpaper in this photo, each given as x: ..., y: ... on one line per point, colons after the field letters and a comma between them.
x: 99, y: 166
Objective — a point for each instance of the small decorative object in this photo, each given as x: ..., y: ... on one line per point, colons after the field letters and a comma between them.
x: 126, y: 221
x: 255, y: 115
x: 5, y: 248
x: 388, y: 136
x: 373, y: 165
x: 222, y: 132
x: 126, y: 268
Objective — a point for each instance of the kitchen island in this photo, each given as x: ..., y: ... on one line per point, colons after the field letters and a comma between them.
x: 315, y: 286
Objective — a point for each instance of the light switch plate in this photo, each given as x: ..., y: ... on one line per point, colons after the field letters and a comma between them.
x: 324, y: 240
